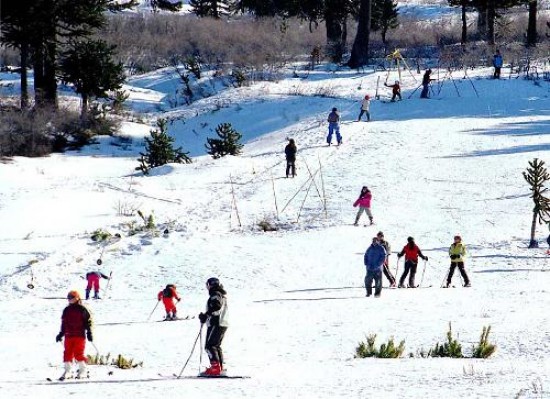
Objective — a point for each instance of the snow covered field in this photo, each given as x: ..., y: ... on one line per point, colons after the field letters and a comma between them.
x: 437, y: 167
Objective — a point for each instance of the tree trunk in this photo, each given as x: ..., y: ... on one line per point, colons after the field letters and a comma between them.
x: 532, y: 24
x: 24, y: 83
x: 482, y: 22
x: 491, y: 19
x: 84, y: 109
x: 533, y: 243
x: 50, y: 81
x: 464, y: 38
x: 38, y: 67
x: 360, y: 50
x: 335, y: 47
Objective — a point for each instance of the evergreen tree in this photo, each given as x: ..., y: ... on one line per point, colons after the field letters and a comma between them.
x: 227, y: 143
x: 209, y: 8
x: 159, y: 149
x: 165, y: 5
x: 89, y: 67
x: 537, y: 175
x: 360, y: 50
x: 532, y: 35
x: 384, y: 17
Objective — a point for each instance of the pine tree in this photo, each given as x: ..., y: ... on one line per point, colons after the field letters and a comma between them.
x: 210, y: 8
x: 360, y: 50
x: 165, y: 5
x: 384, y: 17
x: 227, y: 144
x: 159, y: 149
x: 537, y: 175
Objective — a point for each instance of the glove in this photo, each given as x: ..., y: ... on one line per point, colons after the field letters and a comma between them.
x: 179, y: 299
x: 89, y: 336
x: 59, y: 337
x: 203, y: 317
x: 426, y: 258
x: 399, y: 256
x: 454, y: 256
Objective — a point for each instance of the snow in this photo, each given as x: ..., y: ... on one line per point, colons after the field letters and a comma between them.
x: 437, y: 167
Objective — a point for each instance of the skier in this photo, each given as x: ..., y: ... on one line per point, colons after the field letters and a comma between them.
x: 426, y: 84
x: 457, y: 251
x: 76, y: 326
x: 411, y: 252
x: 334, y: 126
x: 365, y: 108
x: 374, y: 259
x: 386, y: 268
x: 497, y: 64
x: 396, y: 90
x: 93, y: 282
x: 363, y: 202
x: 216, y: 319
x: 167, y: 295
x: 290, y: 153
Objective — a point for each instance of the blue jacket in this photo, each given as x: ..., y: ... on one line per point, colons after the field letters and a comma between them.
x: 375, y: 257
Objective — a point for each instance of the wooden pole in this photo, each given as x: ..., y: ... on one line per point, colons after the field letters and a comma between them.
x: 235, y: 201
x: 274, y: 196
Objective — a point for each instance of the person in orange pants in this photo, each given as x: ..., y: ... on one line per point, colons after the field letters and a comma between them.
x: 167, y: 295
x: 76, y: 326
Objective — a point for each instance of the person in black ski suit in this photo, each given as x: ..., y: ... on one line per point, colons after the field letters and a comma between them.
x: 290, y: 153
x: 216, y: 319
x: 426, y: 80
x: 386, y: 268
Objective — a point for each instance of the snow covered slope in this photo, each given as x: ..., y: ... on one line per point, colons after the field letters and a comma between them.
x: 437, y: 167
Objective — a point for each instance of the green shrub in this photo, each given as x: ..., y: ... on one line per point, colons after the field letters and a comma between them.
x: 483, y: 349
x: 227, y: 143
x: 386, y: 351
x: 100, y: 235
x: 451, y: 348
x: 120, y: 361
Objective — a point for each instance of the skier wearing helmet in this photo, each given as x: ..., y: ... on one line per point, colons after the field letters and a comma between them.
x: 365, y: 108
x: 334, y: 126
x: 167, y: 295
x: 76, y: 326
x: 396, y: 90
x: 457, y: 251
x: 216, y: 319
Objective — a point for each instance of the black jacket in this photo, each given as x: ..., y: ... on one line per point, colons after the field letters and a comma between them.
x: 216, y: 306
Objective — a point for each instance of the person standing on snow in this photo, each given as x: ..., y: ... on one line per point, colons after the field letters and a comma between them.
x: 411, y: 252
x: 216, y: 319
x: 457, y: 251
x: 365, y: 108
x: 497, y: 64
x: 93, y: 282
x: 363, y: 202
x: 426, y: 80
x: 167, y: 295
x: 386, y: 268
x: 374, y: 259
x: 333, y: 120
x: 290, y: 153
x: 395, y: 89
x: 76, y: 326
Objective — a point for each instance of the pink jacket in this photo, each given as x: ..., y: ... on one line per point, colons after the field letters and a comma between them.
x: 364, y: 201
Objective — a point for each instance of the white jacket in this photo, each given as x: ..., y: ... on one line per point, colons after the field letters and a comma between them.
x: 365, y: 105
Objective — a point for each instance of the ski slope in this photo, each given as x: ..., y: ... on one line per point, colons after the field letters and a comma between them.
x: 439, y: 167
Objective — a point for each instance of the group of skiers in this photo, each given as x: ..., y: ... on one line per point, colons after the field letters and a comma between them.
x: 76, y: 325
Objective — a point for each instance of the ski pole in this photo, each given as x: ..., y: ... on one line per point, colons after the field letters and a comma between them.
x: 95, y: 347
x: 444, y: 278
x: 423, y: 272
x: 397, y: 269
x: 153, y: 310
x: 108, y: 284
x: 201, y: 347
x: 192, y: 350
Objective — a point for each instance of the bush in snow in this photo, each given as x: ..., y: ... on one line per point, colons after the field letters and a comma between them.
x: 484, y: 349
x: 100, y: 235
x: 120, y: 361
x: 451, y: 348
x: 267, y: 225
x: 386, y: 351
x: 537, y: 175
x: 227, y: 143
x: 159, y: 150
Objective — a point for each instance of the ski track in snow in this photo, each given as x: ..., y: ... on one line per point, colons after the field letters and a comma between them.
x: 436, y: 168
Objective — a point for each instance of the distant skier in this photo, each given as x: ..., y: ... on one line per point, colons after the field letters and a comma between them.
x: 395, y: 89
x: 411, y: 252
x: 363, y: 202
x: 167, y: 295
x: 497, y: 64
x: 374, y: 259
x: 290, y: 153
x: 76, y: 326
x: 93, y: 282
x: 216, y: 319
x: 426, y: 80
x: 333, y: 120
x: 365, y: 108
x: 457, y: 251
x: 386, y: 268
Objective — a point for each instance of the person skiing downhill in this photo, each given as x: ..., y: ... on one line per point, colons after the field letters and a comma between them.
x: 333, y: 120
x: 395, y: 89
x: 290, y: 154
x: 216, y: 318
x: 365, y: 108
x: 167, y: 295
x: 457, y: 251
x: 411, y: 252
x: 363, y: 202
x: 386, y: 268
x: 93, y: 282
x: 374, y: 259
x: 76, y: 326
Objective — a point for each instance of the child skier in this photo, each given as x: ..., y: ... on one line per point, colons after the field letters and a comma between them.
x: 457, y: 251
x: 395, y: 89
x: 363, y: 202
x: 333, y: 120
x: 290, y: 154
x: 386, y: 268
x: 411, y: 252
x: 76, y: 326
x: 93, y: 282
x: 365, y: 108
x: 167, y: 295
x: 216, y: 319
x: 374, y: 259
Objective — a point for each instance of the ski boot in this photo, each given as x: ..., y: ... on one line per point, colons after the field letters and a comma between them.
x: 82, y: 371
x: 87, y: 294
x: 371, y: 221
x: 66, y: 372
x: 467, y: 284
x: 214, y: 369
x: 96, y: 295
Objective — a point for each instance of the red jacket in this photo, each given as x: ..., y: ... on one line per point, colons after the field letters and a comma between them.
x: 411, y: 253
x: 168, y: 293
x: 75, y: 321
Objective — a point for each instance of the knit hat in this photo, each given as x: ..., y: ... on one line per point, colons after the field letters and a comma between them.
x: 73, y: 295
